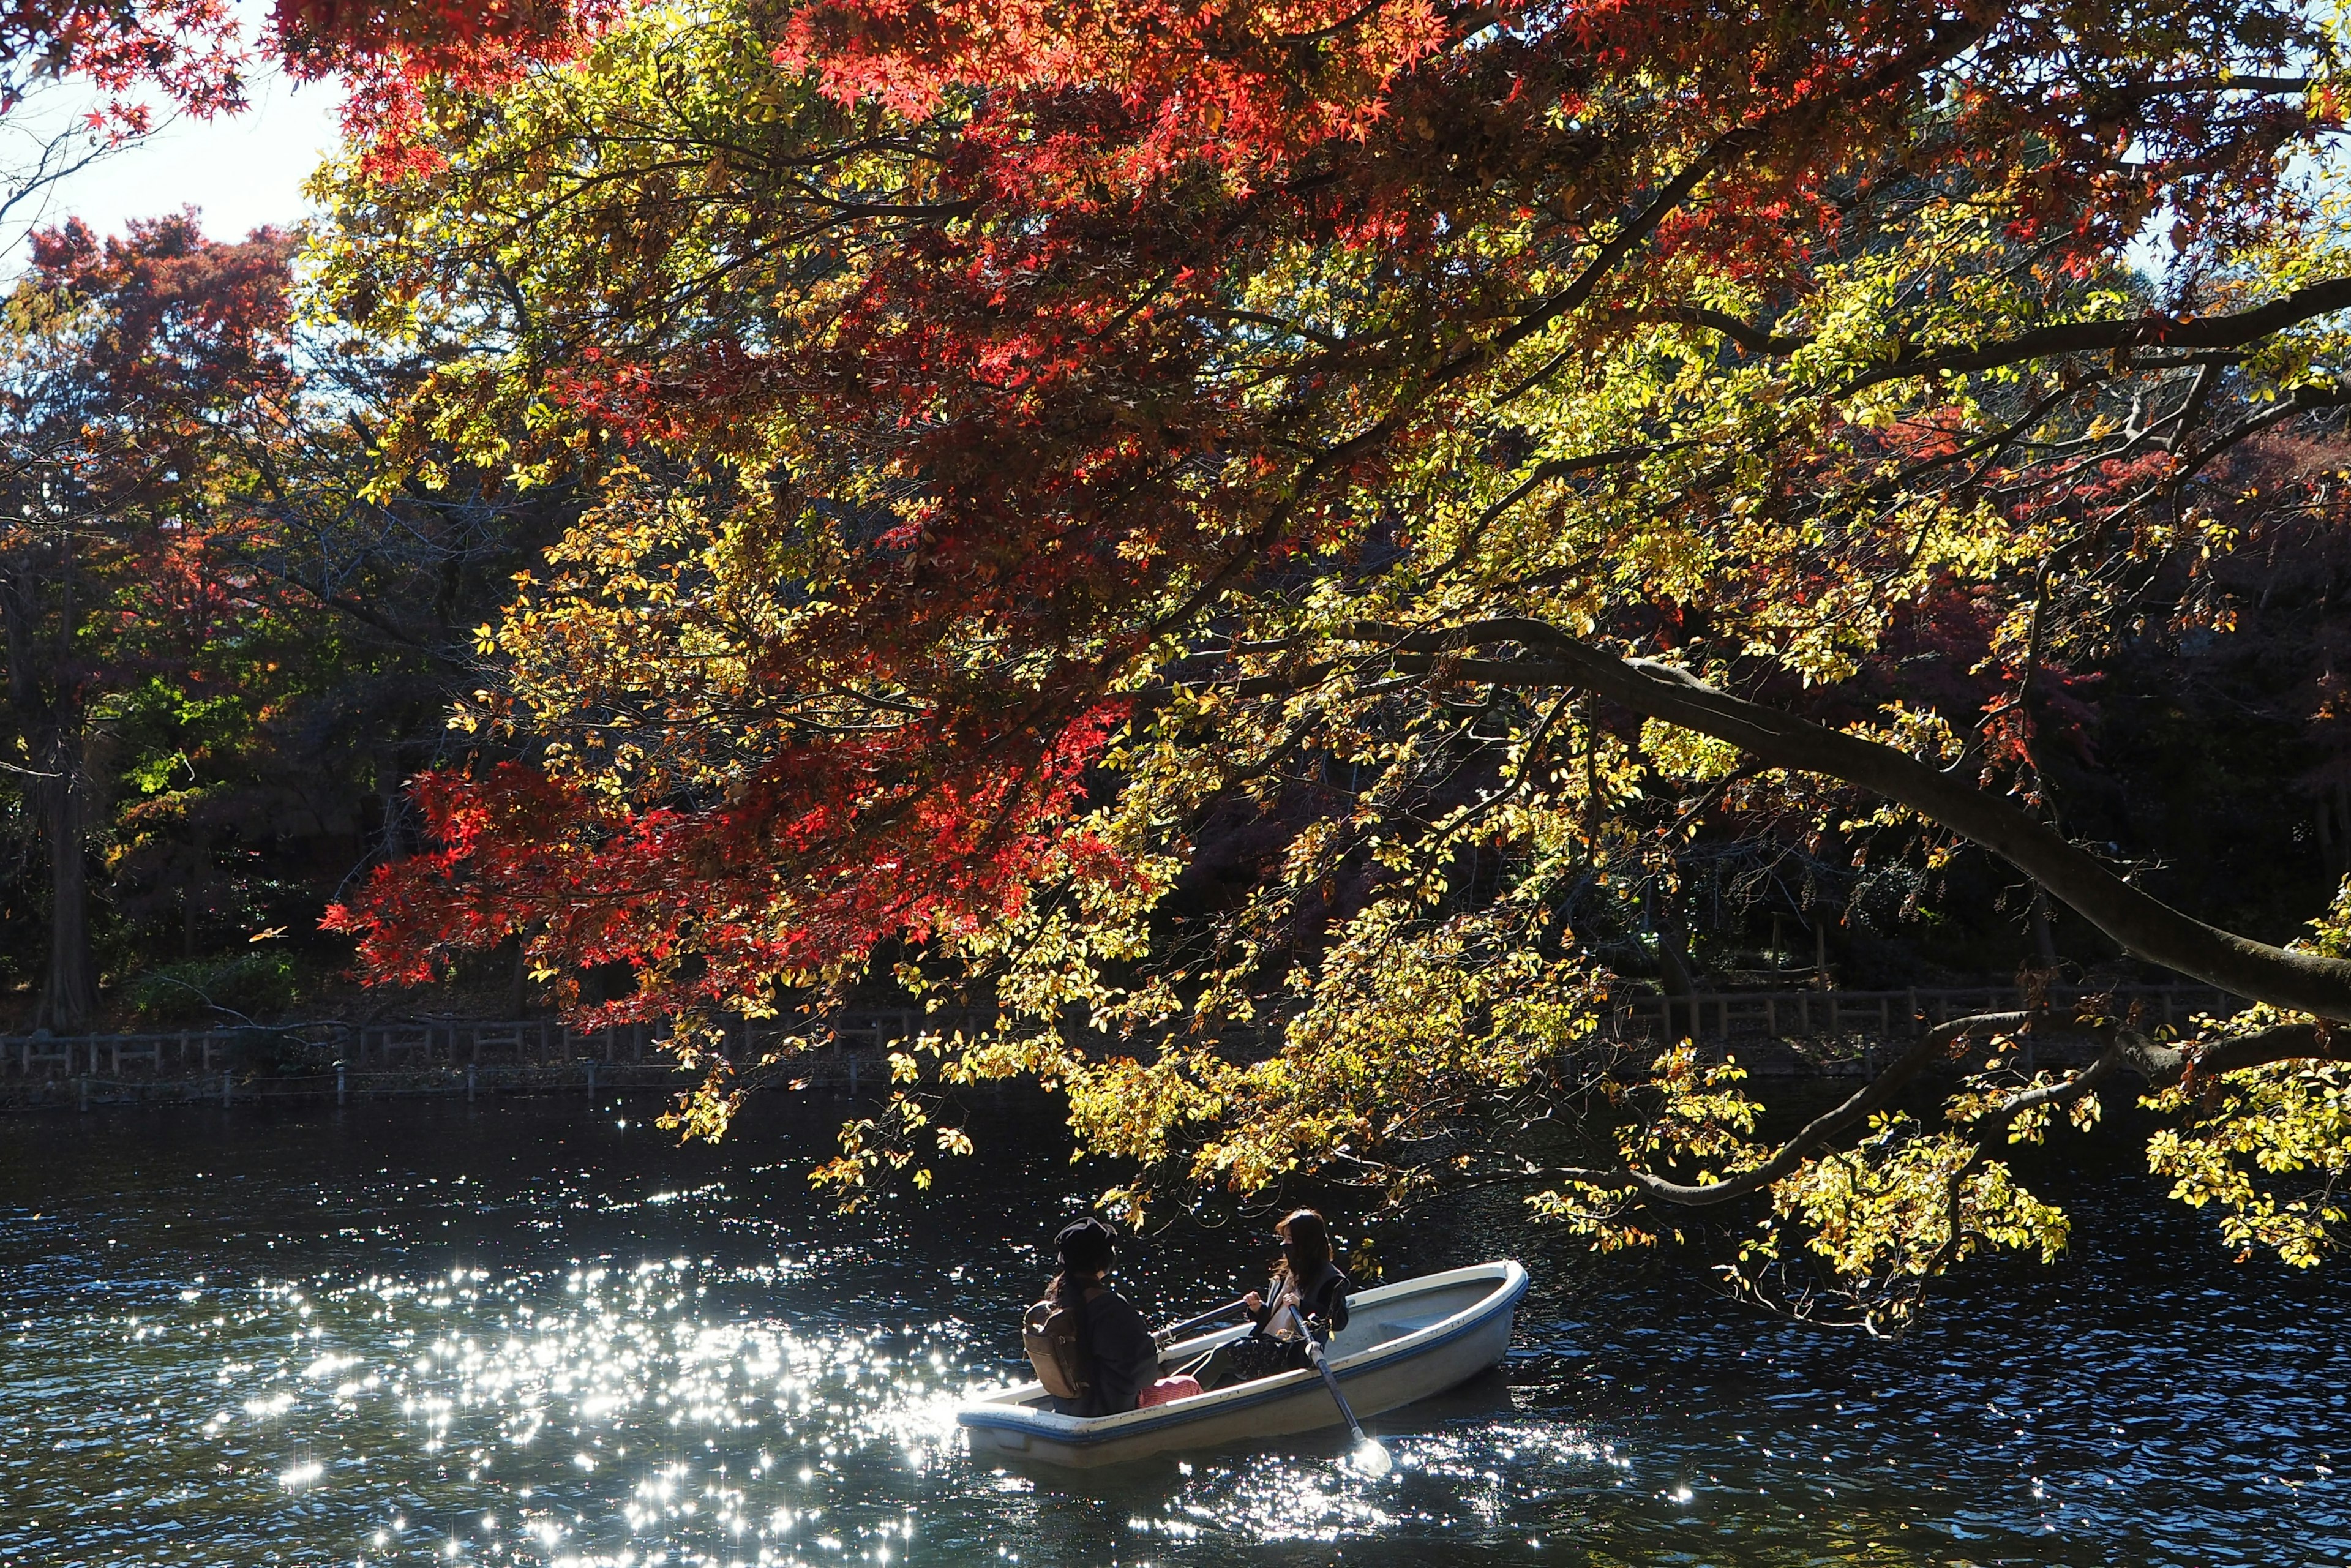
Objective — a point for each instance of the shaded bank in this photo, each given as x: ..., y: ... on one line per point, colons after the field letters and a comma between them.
x: 1772, y: 1033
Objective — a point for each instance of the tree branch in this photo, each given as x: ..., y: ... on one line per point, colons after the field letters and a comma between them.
x: 1753, y: 339
x: 2144, y: 925
x: 2163, y: 1065
x: 2304, y: 399
x: 2160, y: 1065
x: 1865, y: 1102
x: 2314, y: 300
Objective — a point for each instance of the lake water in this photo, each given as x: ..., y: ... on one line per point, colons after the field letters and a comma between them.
x: 525, y: 1333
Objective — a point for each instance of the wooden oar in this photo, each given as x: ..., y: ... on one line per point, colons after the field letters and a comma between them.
x: 1369, y: 1457
x: 1172, y: 1330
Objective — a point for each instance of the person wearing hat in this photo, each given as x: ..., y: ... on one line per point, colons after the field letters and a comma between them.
x: 1115, y: 1346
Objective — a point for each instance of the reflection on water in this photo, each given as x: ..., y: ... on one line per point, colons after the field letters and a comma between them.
x: 526, y: 1334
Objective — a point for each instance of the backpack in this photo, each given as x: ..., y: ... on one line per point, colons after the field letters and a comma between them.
x: 1048, y: 1333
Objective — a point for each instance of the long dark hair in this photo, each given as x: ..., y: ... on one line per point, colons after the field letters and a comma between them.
x: 1069, y: 1290
x: 1305, y: 1248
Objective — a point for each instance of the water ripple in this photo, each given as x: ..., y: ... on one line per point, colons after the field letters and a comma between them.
x: 418, y: 1336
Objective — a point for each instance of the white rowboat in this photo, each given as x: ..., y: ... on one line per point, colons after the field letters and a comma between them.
x: 1403, y: 1342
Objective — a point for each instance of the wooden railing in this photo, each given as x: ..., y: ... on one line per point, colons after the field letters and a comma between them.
x: 1796, y: 1015
x: 416, y: 1044
x: 450, y: 1052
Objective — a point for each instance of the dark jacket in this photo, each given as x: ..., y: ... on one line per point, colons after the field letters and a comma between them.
x: 1323, y: 1301
x: 1126, y: 1358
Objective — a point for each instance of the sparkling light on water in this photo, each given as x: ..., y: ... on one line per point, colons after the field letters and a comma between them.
x: 607, y: 1406
x: 466, y: 1351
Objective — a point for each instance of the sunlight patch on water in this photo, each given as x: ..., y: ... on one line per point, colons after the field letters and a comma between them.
x: 1290, y: 1501
x: 625, y: 1415
x: 1469, y: 1480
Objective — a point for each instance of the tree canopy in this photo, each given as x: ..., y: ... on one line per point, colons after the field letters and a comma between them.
x: 223, y: 656
x: 1257, y: 545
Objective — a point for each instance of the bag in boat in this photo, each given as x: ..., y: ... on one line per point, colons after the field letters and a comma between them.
x: 1048, y: 1333
x: 1167, y: 1390
x: 1260, y: 1355
x: 1275, y: 1346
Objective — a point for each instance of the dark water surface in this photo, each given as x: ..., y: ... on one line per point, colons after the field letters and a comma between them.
x: 525, y: 1333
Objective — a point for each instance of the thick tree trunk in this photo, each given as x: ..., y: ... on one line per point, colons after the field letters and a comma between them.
x: 69, y: 991
x: 37, y: 602
x: 2044, y: 940
x: 2144, y: 925
x: 1677, y: 974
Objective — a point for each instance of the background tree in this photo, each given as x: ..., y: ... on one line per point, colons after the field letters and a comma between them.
x: 130, y: 367
x: 226, y: 653
x: 239, y: 749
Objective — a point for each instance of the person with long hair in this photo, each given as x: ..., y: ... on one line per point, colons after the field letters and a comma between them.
x: 1116, y: 1358
x: 1306, y: 1297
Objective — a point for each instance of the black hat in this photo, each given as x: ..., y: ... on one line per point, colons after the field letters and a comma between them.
x: 1085, y: 1245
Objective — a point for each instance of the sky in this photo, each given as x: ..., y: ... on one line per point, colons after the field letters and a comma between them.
x: 241, y: 171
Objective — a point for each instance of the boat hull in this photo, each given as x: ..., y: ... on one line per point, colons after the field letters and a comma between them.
x: 1405, y: 1342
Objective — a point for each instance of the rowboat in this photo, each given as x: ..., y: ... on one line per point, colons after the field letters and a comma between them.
x: 1403, y: 1342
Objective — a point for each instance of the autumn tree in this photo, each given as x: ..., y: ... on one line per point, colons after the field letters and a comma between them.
x: 193, y: 55
x: 235, y: 645
x: 1471, y: 447
x: 133, y: 367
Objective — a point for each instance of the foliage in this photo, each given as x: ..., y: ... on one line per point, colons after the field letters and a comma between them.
x: 254, y: 984
x: 1189, y: 532
x: 2243, y: 1132
x: 188, y: 49
x: 2286, y: 1120
x: 223, y: 660
x: 133, y: 368
x: 1084, y: 503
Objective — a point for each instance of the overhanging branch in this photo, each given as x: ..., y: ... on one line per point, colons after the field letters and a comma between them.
x: 1873, y: 1097
x: 2144, y: 925
x: 2323, y: 298
x: 2160, y: 1064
